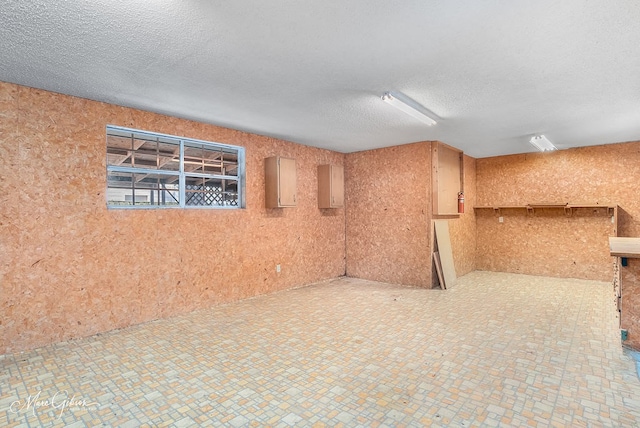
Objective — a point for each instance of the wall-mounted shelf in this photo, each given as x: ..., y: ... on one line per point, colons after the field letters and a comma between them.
x: 568, y: 208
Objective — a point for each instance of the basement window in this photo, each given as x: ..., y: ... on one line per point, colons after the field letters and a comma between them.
x: 151, y: 170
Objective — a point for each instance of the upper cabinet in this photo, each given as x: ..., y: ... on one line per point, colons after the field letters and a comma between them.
x: 447, y: 178
x: 280, y: 182
x: 330, y: 186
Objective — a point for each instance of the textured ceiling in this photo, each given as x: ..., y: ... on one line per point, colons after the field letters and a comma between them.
x: 494, y: 72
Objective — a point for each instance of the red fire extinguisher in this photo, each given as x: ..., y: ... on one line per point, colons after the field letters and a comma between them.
x: 461, y: 202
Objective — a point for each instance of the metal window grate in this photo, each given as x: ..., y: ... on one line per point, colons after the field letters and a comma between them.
x: 210, y: 196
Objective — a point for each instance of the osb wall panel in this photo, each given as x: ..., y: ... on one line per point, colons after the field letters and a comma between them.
x: 8, y: 199
x: 71, y: 268
x: 462, y: 229
x: 546, y: 243
x: 631, y: 302
x: 601, y: 174
x: 605, y: 174
x: 388, y: 214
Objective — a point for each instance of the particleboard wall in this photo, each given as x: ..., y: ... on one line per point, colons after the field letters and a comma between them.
x: 550, y: 243
x: 389, y: 220
x: 462, y: 228
x: 547, y: 243
x: 630, y: 280
x: 9, y: 232
x: 388, y: 214
x: 71, y: 268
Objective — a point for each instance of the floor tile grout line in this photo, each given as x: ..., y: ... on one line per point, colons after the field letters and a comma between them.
x: 570, y: 350
x: 106, y: 376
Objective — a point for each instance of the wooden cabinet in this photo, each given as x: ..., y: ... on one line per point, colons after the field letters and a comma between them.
x: 447, y: 178
x: 280, y: 182
x: 330, y: 186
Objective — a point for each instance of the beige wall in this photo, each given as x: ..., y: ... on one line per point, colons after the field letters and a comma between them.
x: 549, y: 242
x: 70, y: 268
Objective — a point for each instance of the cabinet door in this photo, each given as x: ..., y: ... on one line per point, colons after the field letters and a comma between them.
x: 447, y: 178
x: 330, y: 186
x: 337, y: 186
x: 280, y: 182
x: 287, y: 182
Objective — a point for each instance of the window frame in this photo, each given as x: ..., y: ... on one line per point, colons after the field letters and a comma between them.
x: 181, y: 173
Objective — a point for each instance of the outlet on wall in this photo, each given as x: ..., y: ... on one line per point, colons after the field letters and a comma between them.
x: 500, y: 219
x: 278, y: 268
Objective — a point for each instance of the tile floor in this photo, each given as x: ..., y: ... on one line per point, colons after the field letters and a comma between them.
x: 495, y: 350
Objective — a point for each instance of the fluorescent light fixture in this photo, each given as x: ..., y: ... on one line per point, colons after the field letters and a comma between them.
x: 407, y: 105
x: 542, y: 143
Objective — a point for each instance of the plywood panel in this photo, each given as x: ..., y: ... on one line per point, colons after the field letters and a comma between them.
x: 443, y: 241
x: 388, y: 216
x: 438, y: 265
x: 80, y: 268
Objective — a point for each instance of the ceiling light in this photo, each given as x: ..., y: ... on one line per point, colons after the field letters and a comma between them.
x: 408, y: 106
x: 542, y: 143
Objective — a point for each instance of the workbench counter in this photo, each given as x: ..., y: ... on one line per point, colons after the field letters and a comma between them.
x: 627, y: 251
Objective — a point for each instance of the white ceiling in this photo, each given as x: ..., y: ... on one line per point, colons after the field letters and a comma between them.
x: 495, y: 72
